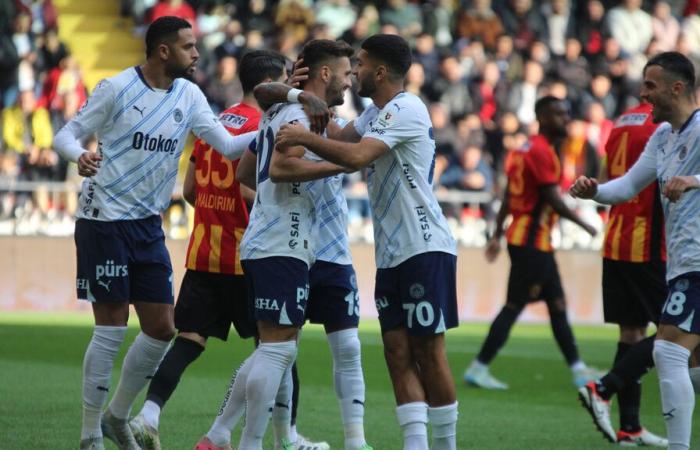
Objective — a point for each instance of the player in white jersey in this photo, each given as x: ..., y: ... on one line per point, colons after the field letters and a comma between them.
x: 277, y: 251
x: 415, y: 253
x: 672, y: 155
x: 141, y: 117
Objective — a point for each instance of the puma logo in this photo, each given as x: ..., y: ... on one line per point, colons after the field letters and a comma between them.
x: 104, y: 285
x: 669, y: 415
x: 139, y: 110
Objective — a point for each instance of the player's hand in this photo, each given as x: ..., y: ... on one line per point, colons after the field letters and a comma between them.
x: 333, y: 131
x: 299, y: 73
x: 676, y: 186
x: 290, y: 135
x: 316, y: 110
x: 584, y: 187
x: 493, y: 248
x: 88, y: 164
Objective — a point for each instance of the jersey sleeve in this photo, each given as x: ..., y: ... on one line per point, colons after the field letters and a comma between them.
x: 96, y: 111
x: 543, y: 166
x: 361, y: 123
x: 203, y: 119
x: 394, y: 126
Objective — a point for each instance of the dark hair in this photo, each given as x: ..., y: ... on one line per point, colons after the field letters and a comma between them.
x: 317, y: 52
x: 391, y: 50
x: 257, y: 65
x: 543, y: 104
x: 675, y: 64
x: 163, y: 29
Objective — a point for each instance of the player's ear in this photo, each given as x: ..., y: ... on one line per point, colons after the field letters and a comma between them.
x: 164, y: 50
x: 381, y: 72
x: 325, y: 74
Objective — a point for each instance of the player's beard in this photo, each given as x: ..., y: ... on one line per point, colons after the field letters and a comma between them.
x: 334, y: 92
x: 181, y: 72
x: 367, y: 88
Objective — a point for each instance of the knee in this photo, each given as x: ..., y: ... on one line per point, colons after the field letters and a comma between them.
x: 556, y: 306
x: 349, y: 350
x: 397, y: 355
x: 514, y: 308
x: 632, y: 335
x: 162, y: 331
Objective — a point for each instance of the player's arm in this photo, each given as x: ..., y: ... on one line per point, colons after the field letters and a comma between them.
x: 92, y: 117
x: 621, y: 189
x: 353, y: 155
x: 493, y: 247
x: 550, y: 194
x: 188, y: 187
x: 245, y: 173
x: 677, y: 186
x: 267, y: 94
x: 287, y: 165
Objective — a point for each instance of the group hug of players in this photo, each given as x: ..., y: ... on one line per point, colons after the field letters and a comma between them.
x: 290, y: 262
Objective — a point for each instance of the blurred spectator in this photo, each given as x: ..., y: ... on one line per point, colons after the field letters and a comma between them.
x: 224, y: 89
x: 632, y: 28
x: 524, y: 94
x: 451, y: 89
x: 438, y: 21
x: 257, y: 16
x: 179, y: 8
x: 415, y: 80
x: 615, y: 63
x: 445, y: 131
x: 524, y: 22
x: 490, y: 94
x: 406, y: 17
x: 339, y: 15
x: 357, y: 33
x: 509, y: 62
x: 479, y: 22
x: 233, y: 42
x: 598, y: 127
x: 591, y: 29
x: 52, y: 51
x: 666, y: 27
x: 558, y: 17
x: 574, y: 70
x: 578, y: 157
x: 599, y: 90
x: 427, y: 56
x: 469, y: 172
x: 691, y: 33
x: 293, y: 22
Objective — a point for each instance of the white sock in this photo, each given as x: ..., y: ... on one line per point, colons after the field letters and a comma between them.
x: 97, y: 370
x: 443, y: 420
x: 140, y: 364
x: 677, y: 395
x: 695, y: 379
x: 349, y: 383
x: 282, y: 412
x: 578, y: 366
x: 478, y: 365
x: 151, y: 413
x: 413, y: 418
x: 233, y: 406
x: 293, y: 436
x: 271, y: 361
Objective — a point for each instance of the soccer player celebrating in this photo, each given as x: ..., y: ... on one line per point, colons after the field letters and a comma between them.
x: 532, y: 197
x: 141, y: 117
x: 634, y: 287
x: 415, y: 252
x: 213, y: 291
x: 280, y: 243
x: 671, y: 156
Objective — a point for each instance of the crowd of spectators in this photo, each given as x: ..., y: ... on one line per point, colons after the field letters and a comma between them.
x: 479, y: 65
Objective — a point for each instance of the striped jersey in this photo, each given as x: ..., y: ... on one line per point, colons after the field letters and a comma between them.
x: 406, y: 216
x: 534, y: 165
x: 220, y: 214
x: 141, y: 132
x: 283, y: 214
x: 634, y: 231
x: 332, y: 244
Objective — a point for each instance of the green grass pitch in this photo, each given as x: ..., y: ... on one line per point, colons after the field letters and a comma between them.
x: 40, y: 375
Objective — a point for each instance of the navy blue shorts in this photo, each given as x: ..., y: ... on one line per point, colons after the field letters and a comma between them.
x: 682, y: 307
x: 333, y: 298
x: 123, y: 261
x: 278, y: 289
x: 420, y: 294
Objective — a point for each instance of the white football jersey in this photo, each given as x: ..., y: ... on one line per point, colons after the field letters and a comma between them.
x: 332, y: 244
x: 406, y: 216
x: 677, y: 153
x: 141, y: 132
x: 283, y: 214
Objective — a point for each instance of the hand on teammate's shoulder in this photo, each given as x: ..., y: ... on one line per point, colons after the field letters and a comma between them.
x: 676, y: 186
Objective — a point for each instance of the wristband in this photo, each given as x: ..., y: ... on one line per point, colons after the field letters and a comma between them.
x: 293, y: 95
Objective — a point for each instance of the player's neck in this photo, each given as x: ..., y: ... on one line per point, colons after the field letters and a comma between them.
x: 249, y: 99
x: 383, y: 96
x: 681, y: 115
x: 155, y: 78
x: 316, y: 87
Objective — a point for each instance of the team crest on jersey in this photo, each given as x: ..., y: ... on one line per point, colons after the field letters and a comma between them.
x: 681, y: 285
x: 683, y: 153
x: 416, y: 291
x: 177, y: 115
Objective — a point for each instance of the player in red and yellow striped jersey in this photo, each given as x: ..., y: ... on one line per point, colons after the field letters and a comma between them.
x: 213, y: 293
x: 634, y: 286
x: 533, y: 200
